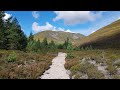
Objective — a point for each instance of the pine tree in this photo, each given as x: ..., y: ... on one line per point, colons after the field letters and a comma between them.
x: 60, y: 46
x: 22, y: 39
x: 2, y: 30
x: 66, y: 43
x: 69, y: 47
x: 7, y: 25
x: 16, y: 39
x: 52, y: 44
x: 45, y: 42
x: 31, y: 37
x: 11, y: 35
x: 69, y: 50
x: 38, y: 44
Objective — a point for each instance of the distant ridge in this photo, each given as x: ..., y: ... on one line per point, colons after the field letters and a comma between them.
x: 58, y: 36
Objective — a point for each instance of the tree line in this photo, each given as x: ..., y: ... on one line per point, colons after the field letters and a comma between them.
x: 44, y: 47
x: 12, y: 37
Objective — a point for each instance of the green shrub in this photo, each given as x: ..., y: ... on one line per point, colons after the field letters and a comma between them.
x: 93, y: 73
x: 85, y: 68
x: 71, y: 62
x: 80, y: 68
x: 91, y: 48
x: 116, y: 76
x: 70, y: 56
x: 117, y: 64
x: 82, y: 49
x: 112, y: 70
x: 12, y: 57
x: 77, y: 76
x: 75, y: 69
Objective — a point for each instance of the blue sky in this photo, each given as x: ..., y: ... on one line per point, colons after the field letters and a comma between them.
x: 84, y: 22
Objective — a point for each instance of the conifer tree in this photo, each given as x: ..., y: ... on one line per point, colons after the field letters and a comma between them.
x: 66, y: 43
x: 2, y: 30
x: 45, y: 42
x: 11, y: 35
x: 69, y: 47
x: 31, y: 37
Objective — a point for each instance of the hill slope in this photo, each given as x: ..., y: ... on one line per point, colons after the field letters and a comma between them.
x: 106, y: 37
x: 58, y: 36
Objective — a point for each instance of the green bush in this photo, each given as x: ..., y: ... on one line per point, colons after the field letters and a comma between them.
x: 93, y: 73
x: 74, y: 69
x: 112, y: 70
x: 117, y: 64
x: 70, y: 56
x: 86, y: 68
x: 82, y: 49
x: 12, y: 57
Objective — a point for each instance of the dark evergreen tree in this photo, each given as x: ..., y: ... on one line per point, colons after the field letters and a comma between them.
x: 60, y: 46
x: 37, y: 46
x: 66, y: 43
x: 16, y: 39
x: 69, y: 47
x: 11, y: 35
x: 52, y: 44
x: 2, y: 30
x: 7, y: 25
x: 31, y: 37
x: 45, y: 42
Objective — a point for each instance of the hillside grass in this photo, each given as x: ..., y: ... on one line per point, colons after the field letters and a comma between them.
x: 106, y: 37
x: 21, y: 65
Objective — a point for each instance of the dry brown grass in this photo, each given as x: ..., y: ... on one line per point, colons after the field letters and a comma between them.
x: 27, y: 65
x: 70, y: 63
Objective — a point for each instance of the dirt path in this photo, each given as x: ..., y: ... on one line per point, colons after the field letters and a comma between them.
x: 57, y: 70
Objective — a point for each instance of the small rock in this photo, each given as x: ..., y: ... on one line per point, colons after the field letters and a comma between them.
x: 19, y: 65
x: 117, y: 61
x: 118, y: 71
x: 68, y: 72
x: 92, y: 62
x: 85, y: 76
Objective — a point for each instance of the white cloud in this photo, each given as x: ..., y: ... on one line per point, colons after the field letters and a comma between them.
x: 76, y: 17
x: 35, y: 14
x: 67, y: 30
x: 92, y: 31
x: 54, y: 28
x: 7, y: 16
x: 37, y: 28
x: 118, y: 17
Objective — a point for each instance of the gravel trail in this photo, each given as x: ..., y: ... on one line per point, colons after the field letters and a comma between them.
x: 57, y: 70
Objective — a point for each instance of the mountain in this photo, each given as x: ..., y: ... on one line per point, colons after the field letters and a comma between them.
x: 58, y: 36
x: 106, y: 37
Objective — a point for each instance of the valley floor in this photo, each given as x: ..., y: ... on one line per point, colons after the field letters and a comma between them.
x: 85, y: 64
